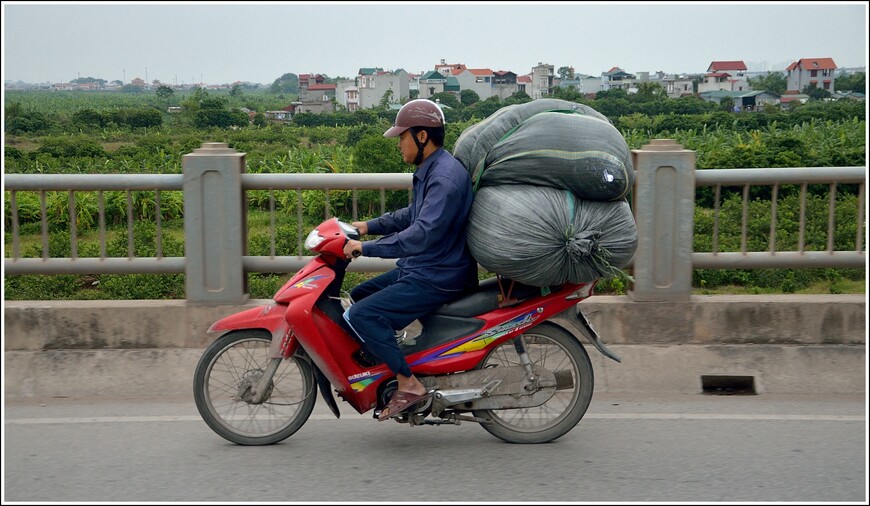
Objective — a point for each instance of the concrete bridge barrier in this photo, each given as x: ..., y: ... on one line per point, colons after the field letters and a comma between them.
x: 775, y: 344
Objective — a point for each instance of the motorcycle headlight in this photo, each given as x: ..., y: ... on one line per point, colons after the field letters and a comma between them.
x: 313, y: 240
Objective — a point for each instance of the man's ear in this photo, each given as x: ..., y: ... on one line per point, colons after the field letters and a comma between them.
x: 424, y: 137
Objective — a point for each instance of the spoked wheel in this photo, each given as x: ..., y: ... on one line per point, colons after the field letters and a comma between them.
x: 225, y: 377
x: 554, y: 349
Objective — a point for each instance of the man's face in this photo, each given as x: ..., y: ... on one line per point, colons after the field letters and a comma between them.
x: 408, y: 147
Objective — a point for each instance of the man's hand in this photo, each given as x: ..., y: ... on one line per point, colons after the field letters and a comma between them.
x: 362, y: 226
x: 351, y: 247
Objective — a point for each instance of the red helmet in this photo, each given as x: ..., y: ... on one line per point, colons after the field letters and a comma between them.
x: 416, y: 113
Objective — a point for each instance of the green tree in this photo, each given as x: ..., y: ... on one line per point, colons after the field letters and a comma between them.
x: 374, y: 153
x: 566, y: 72
x: 288, y: 83
x: 236, y: 91
x: 446, y: 98
x: 816, y: 93
x: 194, y: 102
x: 219, y: 118
x: 164, y: 92
x: 468, y: 97
x: 88, y: 80
x: 519, y: 97
x: 385, y: 99
x: 774, y: 82
x: 650, y: 91
x: 856, y: 82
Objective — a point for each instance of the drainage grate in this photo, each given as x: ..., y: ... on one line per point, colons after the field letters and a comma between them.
x: 728, y: 385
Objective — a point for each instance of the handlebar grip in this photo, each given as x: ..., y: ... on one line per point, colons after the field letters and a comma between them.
x: 356, y: 253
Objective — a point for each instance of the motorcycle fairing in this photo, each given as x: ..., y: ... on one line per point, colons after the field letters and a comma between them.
x: 308, y: 279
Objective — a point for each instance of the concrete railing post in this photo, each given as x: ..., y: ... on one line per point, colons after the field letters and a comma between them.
x: 214, y: 225
x: 664, y: 207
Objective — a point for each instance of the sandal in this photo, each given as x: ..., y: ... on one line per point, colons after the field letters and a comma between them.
x: 400, y: 402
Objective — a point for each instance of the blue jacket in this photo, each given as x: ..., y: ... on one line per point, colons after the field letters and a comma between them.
x: 428, y: 236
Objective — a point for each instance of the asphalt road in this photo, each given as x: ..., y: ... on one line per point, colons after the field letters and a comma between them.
x: 676, y: 448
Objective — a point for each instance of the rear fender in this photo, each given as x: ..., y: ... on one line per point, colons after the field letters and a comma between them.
x: 578, y: 320
x: 270, y: 318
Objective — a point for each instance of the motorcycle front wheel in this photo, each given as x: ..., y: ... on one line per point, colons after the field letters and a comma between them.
x: 223, y: 381
x: 554, y: 349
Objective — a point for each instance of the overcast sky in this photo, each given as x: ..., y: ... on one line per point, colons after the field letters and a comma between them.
x: 217, y: 42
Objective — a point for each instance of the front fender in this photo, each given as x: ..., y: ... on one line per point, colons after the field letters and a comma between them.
x: 270, y: 318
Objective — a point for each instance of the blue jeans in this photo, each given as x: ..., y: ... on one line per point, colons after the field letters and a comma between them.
x: 387, y: 303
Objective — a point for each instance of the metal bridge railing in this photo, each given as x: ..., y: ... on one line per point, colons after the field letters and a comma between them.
x: 216, y: 263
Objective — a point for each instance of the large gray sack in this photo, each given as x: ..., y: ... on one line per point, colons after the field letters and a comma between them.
x: 576, y: 152
x: 475, y: 141
x: 543, y: 236
x: 590, y: 158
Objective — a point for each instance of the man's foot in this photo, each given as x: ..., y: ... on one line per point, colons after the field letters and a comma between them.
x: 401, y: 402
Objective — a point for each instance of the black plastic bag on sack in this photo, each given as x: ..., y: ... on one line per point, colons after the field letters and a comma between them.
x: 543, y: 236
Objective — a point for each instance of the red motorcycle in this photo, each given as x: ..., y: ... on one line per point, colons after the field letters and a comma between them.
x: 493, y: 357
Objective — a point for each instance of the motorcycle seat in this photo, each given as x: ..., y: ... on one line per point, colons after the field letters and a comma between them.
x: 487, y: 297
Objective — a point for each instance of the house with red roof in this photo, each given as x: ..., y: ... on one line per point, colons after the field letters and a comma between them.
x: 818, y: 72
x: 725, y: 75
x: 307, y: 80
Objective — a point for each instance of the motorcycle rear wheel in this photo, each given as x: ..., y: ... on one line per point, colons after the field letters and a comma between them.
x: 552, y: 348
x: 221, y: 389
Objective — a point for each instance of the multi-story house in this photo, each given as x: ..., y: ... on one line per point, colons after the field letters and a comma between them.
x: 434, y: 81
x: 524, y: 84
x: 373, y: 84
x: 582, y: 83
x: 306, y: 80
x: 316, y: 98
x: 678, y: 86
x: 347, y: 94
x: 725, y: 76
x: 477, y: 80
x: 616, y: 79
x: 504, y: 84
x: 449, y: 69
x: 818, y: 72
x: 542, y: 81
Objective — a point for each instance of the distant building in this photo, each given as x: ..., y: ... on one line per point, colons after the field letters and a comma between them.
x: 504, y: 84
x: 616, y: 79
x: 818, y: 72
x: 725, y: 76
x: 373, y: 84
x: 542, y: 81
x: 743, y: 100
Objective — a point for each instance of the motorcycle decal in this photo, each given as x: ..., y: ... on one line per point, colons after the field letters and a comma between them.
x: 480, y: 341
x: 359, y: 386
x: 309, y: 282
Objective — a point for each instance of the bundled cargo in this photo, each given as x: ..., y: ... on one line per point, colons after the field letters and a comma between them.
x: 543, y: 236
x: 549, y: 142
